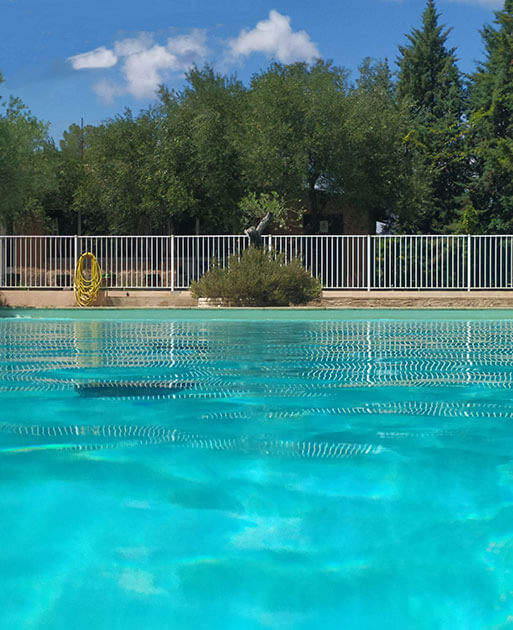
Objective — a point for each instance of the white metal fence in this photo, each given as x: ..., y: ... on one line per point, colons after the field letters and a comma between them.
x: 340, y: 262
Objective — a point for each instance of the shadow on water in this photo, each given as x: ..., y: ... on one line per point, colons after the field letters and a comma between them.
x: 124, y: 389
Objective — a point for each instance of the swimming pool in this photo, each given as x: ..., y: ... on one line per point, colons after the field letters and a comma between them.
x: 256, y: 469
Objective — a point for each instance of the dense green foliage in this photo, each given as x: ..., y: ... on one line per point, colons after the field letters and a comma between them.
x: 259, y: 278
x: 489, y: 205
x: 430, y: 83
x: 27, y: 168
x: 423, y: 150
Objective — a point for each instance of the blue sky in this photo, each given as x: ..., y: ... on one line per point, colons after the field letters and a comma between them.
x: 68, y: 59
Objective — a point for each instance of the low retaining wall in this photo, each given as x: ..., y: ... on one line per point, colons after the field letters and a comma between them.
x: 418, y: 299
x: 20, y: 298
x: 110, y: 298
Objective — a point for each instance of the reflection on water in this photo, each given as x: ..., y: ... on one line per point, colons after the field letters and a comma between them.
x: 265, y: 375
x: 375, y: 353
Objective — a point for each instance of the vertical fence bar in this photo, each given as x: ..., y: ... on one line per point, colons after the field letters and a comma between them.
x: 172, y: 262
x: 469, y: 263
x: 24, y: 260
x: 446, y: 257
x: 457, y: 254
x: 415, y: 283
x: 75, y: 253
x: 483, y: 247
x: 510, y: 276
x: 488, y: 258
x: 482, y: 252
x: 58, y: 248
x: 368, y: 262
x: 39, y: 263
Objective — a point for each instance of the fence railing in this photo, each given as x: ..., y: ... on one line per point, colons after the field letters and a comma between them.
x: 340, y: 262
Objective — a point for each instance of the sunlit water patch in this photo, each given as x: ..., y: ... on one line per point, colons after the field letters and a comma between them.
x: 188, y: 473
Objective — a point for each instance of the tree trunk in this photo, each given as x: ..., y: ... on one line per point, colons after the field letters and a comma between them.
x: 255, y: 233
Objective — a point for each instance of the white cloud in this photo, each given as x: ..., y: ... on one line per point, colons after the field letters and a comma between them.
x: 133, y: 45
x: 143, y: 71
x: 144, y: 63
x: 140, y: 64
x: 189, y: 47
x: 98, y: 58
x: 275, y: 38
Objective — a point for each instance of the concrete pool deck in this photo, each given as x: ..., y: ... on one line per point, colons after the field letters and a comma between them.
x: 23, y: 298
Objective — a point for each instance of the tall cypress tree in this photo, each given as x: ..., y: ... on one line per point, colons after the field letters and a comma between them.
x: 429, y: 79
x: 490, y: 193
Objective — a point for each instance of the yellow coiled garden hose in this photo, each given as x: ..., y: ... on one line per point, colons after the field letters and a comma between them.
x: 87, y: 286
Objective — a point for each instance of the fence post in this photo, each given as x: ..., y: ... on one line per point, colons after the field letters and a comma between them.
x: 172, y: 262
x: 368, y: 262
x: 75, y: 253
x: 469, y: 266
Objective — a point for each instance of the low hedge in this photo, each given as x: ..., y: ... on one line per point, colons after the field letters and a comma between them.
x: 259, y: 278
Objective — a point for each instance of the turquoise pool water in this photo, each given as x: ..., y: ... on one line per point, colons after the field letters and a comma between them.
x: 256, y: 470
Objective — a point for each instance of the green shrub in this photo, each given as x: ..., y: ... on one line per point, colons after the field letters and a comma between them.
x: 259, y: 278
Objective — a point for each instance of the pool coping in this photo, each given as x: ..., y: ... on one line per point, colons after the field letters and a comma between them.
x: 244, y: 315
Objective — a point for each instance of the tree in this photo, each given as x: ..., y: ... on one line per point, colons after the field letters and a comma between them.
x: 197, y: 130
x: 120, y: 189
x: 490, y: 192
x: 26, y: 168
x: 172, y: 163
x: 380, y: 174
x: 292, y: 141
x: 324, y: 145
x: 68, y: 166
x: 429, y: 81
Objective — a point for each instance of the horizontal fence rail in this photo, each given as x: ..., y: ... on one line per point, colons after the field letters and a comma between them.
x: 374, y: 262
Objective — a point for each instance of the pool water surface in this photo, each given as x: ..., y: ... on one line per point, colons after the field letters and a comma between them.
x: 177, y: 470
